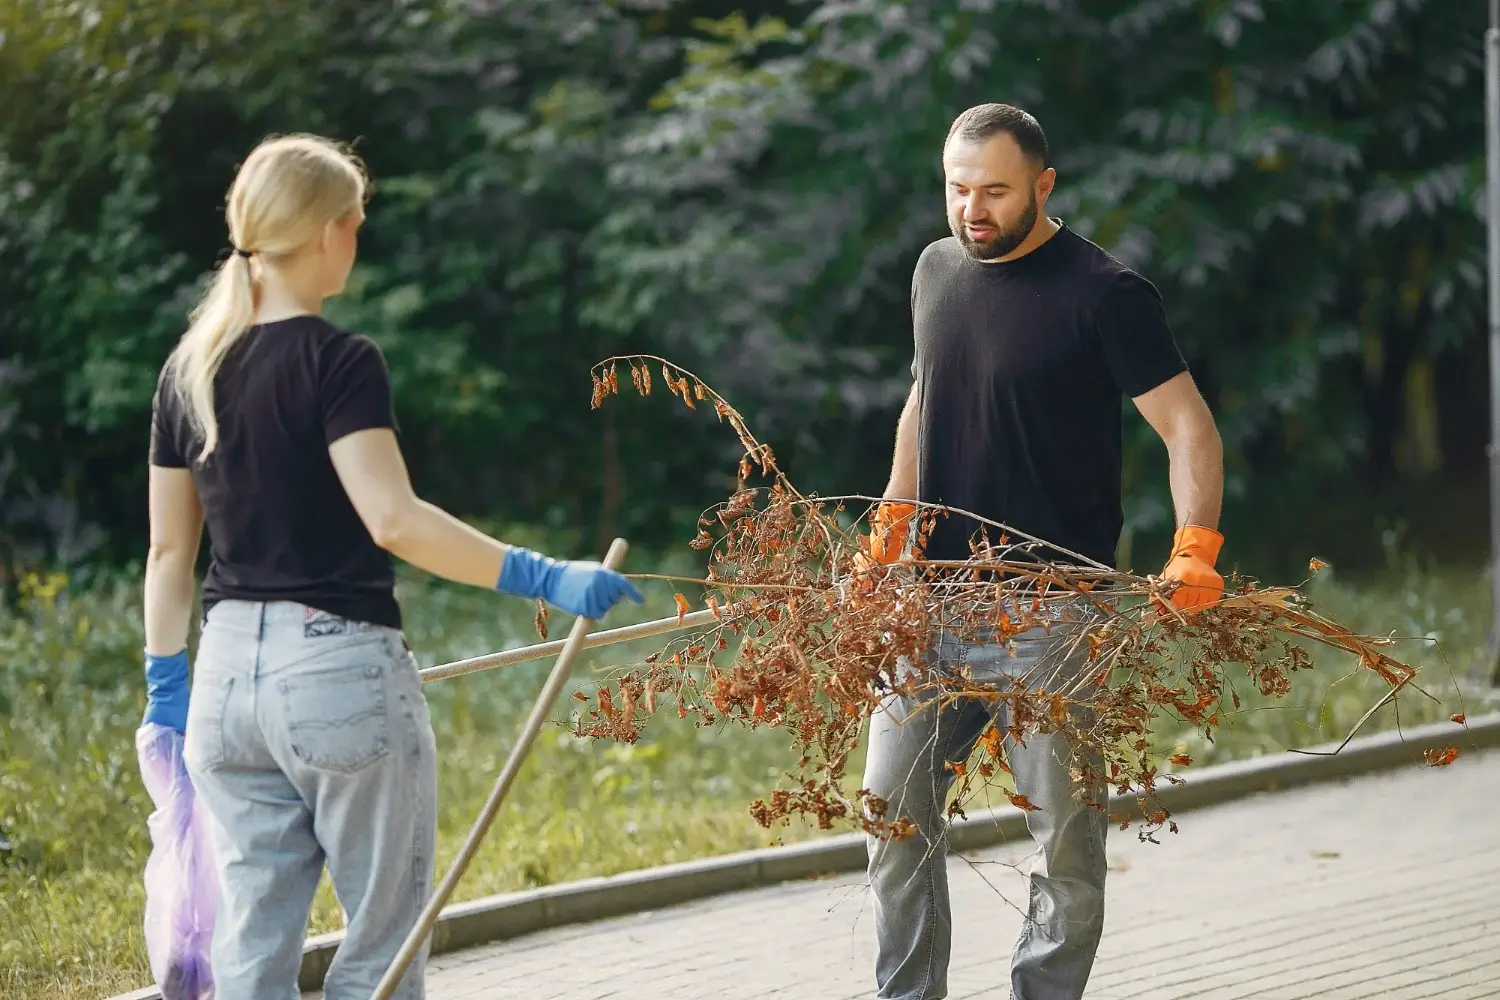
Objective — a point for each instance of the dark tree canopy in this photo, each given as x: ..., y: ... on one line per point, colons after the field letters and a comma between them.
x: 743, y: 188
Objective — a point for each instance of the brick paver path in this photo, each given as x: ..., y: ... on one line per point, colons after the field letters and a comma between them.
x: 1387, y: 886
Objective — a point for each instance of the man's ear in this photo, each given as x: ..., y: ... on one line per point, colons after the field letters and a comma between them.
x: 1045, y: 181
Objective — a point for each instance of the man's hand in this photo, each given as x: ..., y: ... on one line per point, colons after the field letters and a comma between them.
x: 889, y: 527
x: 885, y: 545
x: 1195, y: 549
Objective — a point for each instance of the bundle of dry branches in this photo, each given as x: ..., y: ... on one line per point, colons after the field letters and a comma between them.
x: 810, y: 636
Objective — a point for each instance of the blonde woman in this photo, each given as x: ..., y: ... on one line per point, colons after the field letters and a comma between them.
x: 307, y: 735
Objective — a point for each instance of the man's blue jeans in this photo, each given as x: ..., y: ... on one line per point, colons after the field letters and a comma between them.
x: 309, y: 741
x: 909, y: 745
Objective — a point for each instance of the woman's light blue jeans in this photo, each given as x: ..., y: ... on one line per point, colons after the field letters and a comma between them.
x: 909, y: 746
x: 309, y: 741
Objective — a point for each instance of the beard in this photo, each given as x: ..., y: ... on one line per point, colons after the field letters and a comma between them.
x: 1007, y: 236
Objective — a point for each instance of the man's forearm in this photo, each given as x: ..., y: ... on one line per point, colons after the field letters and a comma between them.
x: 903, y: 482
x: 1196, y: 458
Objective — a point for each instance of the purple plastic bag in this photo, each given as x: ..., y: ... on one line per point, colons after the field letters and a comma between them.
x: 182, y: 889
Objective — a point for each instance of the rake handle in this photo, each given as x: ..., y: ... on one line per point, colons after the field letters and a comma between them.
x: 524, y: 654
x: 539, y: 713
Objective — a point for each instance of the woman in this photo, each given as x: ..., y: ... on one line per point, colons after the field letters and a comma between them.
x: 307, y: 736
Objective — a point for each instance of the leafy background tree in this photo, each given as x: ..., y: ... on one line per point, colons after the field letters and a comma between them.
x: 744, y: 187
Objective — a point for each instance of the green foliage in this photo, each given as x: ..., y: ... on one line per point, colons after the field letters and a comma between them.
x: 62, y: 659
x: 743, y: 188
x: 95, y: 280
x: 1300, y: 179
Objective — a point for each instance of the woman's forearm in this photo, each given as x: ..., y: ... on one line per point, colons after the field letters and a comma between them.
x: 168, y: 596
x: 431, y: 539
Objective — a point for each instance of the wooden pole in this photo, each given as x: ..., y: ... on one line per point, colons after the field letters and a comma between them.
x: 510, y: 657
x: 539, y: 712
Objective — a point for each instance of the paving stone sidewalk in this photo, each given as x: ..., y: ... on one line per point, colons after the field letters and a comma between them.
x: 1386, y: 886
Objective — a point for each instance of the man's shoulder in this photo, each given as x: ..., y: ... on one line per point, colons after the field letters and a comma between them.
x: 1101, y: 272
x: 940, y: 257
x: 942, y: 249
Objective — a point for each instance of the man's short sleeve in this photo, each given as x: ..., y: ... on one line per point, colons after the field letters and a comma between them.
x: 1138, y: 343
x: 165, y: 450
x: 916, y: 290
x: 355, y: 388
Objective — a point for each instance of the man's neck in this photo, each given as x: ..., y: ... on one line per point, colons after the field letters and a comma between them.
x: 1044, y: 230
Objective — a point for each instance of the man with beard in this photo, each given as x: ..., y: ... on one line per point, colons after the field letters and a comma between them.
x: 1027, y: 335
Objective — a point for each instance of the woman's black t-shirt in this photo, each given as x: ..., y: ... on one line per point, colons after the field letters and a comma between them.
x: 280, y: 526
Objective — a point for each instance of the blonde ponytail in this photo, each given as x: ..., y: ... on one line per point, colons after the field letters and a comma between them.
x: 221, y: 319
x: 288, y: 189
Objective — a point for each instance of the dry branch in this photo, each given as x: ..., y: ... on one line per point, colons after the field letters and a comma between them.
x: 809, y: 636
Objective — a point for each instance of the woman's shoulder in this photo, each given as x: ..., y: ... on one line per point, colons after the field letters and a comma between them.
x: 342, y: 352
x: 314, y: 330
x: 327, y: 341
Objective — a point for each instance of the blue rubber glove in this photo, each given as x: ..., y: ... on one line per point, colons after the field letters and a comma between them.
x: 586, y: 589
x: 167, y: 690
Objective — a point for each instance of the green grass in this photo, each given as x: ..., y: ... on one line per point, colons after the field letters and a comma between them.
x: 1440, y: 619
x: 73, y: 810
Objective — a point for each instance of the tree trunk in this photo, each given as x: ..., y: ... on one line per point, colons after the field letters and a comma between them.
x: 609, y: 503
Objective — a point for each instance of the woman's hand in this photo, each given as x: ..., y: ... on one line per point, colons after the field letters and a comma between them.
x: 587, y: 589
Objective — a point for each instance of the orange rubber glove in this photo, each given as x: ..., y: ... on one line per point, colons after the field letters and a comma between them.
x: 1195, y: 549
x: 888, y: 530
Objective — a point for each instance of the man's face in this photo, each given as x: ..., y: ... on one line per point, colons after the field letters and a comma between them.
x: 995, y: 194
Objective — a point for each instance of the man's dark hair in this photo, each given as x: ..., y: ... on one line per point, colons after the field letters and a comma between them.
x: 983, y: 122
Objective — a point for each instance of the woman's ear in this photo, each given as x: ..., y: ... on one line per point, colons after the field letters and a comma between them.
x: 325, y: 236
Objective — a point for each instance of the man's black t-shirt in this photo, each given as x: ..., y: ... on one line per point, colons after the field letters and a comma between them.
x: 1020, y: 366
x: 280, y: 526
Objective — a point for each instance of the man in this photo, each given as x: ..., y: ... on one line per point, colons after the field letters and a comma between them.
x: 1026, y: 336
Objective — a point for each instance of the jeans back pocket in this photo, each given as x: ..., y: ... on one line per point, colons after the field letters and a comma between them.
x: 205, y: 745
x: 336, y: 716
